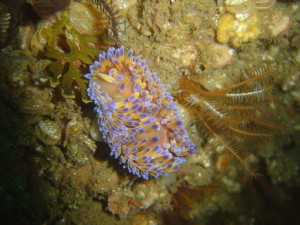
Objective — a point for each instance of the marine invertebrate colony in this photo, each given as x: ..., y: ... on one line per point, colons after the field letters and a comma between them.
x: 138, y: 118
x: 249, y: 20
x: 238, y: 31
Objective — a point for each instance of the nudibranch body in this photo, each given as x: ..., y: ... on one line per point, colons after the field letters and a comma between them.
x: 136, y: 115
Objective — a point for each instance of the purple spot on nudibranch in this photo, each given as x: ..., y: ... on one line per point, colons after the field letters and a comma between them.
x: 121, y: 50
x: 177, y: 167
x: 131, y: 97
x: 119, y: 77
x: 101, y: 58
x: 155, y: 127
x: 89, y: 76
x: 97, y: 64
x: 133, y: 132
x: 119, y: 122
x: 129, y: 123
x: 136, y: 87
x: 146, y: 74
x: 133, y: 71
x: 134, y: 107
x: 136, y: 101
x: 122, y: 86
x: 155, y: 139
x: 111, y: 72
x: 109, y: 56
x: 179, y: 123
x: 166, y: 157
x: 174, y: 159
x: 118, y: 53
x: 120, y: 115
x: 157, y: 108
x: 129, y: 53
x: 139, y: 65
x: 137, y: 58
x: 144, y: 115
x: 166, y: 145
x: 92, y: 68
x: 140, y: 109
x: 127, y: 117
x: 141, y: 130
x: 164, y: 121
x: 149, y: 120
x: 115, y: 61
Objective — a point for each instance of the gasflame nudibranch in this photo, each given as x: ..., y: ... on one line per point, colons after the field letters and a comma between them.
x: 136, y: 115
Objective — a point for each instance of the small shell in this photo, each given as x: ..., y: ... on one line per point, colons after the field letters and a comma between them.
x: 264, y: 4
x: 48, y: 132
x: 280, y: 24
x: 239, y: 6
x: 95, y: 133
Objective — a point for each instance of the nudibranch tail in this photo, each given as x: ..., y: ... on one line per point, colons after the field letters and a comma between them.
x: 136, y: 115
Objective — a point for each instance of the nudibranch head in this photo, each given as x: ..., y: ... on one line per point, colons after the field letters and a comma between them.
x: 136, y: 115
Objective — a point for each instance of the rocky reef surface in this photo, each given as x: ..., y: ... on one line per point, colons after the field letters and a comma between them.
x: 55, y: 167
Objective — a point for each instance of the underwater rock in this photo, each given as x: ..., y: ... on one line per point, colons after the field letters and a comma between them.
x: 46, y: 8
x: 216, y: 55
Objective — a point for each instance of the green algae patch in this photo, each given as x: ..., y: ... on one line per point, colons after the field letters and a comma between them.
x: 72, y: 48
